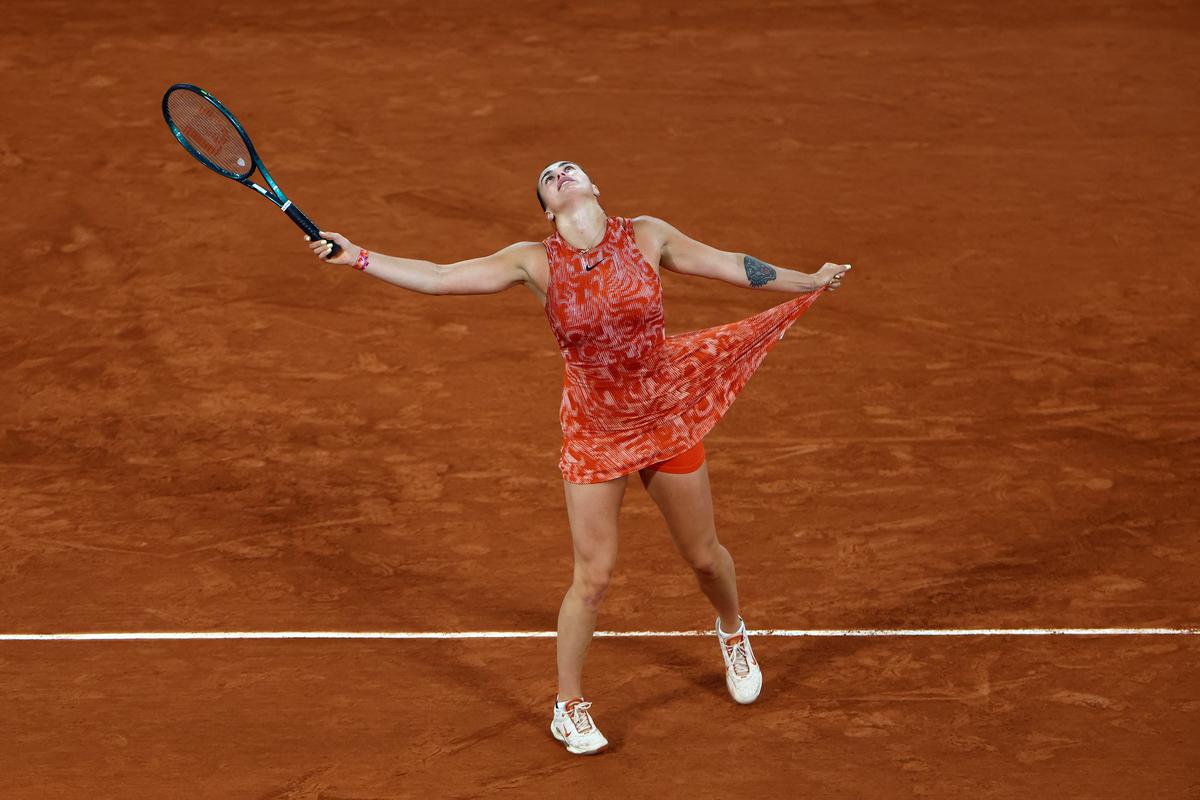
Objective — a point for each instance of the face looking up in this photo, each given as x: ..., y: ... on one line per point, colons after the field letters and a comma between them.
x: 562, y: 183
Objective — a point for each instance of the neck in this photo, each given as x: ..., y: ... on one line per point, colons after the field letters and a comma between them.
x: 582, y: 226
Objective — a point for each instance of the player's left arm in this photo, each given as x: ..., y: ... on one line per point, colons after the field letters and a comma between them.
x: 682, y: 254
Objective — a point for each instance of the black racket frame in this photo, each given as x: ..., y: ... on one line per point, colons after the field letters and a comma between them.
x: 272, y: 191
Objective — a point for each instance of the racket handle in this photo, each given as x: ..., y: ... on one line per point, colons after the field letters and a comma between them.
x: 305, y: 224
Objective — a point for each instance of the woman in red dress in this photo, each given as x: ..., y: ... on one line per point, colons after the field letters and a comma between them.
x: 633, y: 399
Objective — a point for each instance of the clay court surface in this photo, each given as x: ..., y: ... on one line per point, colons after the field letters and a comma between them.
x: 994, y: 424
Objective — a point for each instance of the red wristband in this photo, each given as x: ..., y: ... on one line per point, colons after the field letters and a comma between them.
x: 363, y: 259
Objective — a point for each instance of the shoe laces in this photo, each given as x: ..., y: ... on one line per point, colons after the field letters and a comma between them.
x: 735, y: 649
x: 580, y: 716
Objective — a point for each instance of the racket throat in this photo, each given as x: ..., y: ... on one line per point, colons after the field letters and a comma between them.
x: 267, y: 194
x: 284, y: 206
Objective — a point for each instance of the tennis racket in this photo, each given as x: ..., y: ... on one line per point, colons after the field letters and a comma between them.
x: 209, y: 131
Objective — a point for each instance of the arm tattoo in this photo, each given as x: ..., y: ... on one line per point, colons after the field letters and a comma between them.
x: 759, y: 273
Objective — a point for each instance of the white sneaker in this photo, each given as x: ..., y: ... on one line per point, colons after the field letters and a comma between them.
x: 742, y: 673
x: 573, y: 726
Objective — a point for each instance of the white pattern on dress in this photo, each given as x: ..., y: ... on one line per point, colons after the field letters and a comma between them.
x: 631, y: 395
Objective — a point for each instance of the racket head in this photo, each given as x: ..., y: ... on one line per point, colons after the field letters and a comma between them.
x: 209, y: 131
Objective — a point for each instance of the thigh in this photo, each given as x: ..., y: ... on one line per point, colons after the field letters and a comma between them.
x: 685, y: 500
x: 592, y: 511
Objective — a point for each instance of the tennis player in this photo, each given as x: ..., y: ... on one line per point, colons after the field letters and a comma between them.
x: 633, y: 399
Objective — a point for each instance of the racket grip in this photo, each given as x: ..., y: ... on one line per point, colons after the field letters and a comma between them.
x: 305, y: 224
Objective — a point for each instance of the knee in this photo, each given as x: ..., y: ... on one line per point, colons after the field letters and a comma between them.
x: 706, y: 560
x: 591, y: 583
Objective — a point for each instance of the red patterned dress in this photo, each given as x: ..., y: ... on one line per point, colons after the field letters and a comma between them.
x: 631, y: 396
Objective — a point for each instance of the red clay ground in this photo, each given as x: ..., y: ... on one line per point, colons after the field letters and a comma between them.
x: 994, y: 424
x: 962, y: 718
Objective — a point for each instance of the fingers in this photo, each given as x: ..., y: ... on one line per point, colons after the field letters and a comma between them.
x: 321, y: 248
x: 835, y: 281
x: 330, y: 236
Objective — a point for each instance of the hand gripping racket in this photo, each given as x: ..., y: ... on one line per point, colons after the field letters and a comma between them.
x: 210, y: 132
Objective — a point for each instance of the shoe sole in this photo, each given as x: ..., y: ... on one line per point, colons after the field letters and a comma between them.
x: 574, y: 750
x: 743, y: 702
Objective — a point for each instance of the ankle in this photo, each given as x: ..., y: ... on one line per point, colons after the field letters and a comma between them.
x: 723, y: 627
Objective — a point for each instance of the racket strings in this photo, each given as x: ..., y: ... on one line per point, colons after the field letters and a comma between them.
x: 210, y: 132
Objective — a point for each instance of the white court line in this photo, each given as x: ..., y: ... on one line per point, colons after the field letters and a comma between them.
x: 178, y: 635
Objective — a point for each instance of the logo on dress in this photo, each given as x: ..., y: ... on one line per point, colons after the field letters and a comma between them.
x: 590, y: 267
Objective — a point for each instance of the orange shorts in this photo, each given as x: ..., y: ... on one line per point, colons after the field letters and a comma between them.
x: 687, y: 461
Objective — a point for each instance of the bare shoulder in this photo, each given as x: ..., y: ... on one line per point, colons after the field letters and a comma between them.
x: 650, y: 226
x: 522, y: 252
x: 531, y: 258
x: 528, y: 254
x: 651, y: 233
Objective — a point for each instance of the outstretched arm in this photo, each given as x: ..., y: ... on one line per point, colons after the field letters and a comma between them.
x: 485, y: 275
x: 686, y: 256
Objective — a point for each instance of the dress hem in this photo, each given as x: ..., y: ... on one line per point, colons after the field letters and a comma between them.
x: 704, y: 429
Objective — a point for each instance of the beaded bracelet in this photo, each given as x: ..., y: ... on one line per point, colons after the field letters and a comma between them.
x: 363, y: 259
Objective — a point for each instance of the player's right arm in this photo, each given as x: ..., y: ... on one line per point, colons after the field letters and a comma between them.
x: 486, y: 275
